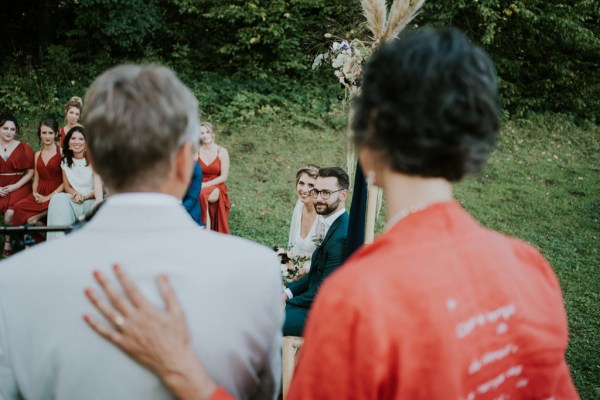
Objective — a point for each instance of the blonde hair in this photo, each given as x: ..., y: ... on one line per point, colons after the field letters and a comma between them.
x: 311, y: 170
x: 74, y: 102
x: 209, y: 127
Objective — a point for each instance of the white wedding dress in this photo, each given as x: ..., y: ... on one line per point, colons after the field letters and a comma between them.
x: 299, y: 245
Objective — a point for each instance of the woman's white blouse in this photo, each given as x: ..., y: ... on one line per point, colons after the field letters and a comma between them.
x: 80, y: 176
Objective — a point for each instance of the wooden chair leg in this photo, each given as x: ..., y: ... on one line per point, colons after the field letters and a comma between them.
x: 289, y: 355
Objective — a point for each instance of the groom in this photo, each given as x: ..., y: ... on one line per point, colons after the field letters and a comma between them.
x: 329, y: 194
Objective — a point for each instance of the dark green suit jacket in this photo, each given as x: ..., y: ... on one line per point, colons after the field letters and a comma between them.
x: 325, y: 259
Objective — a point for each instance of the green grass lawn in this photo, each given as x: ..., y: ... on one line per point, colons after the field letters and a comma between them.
x: 542, y: 185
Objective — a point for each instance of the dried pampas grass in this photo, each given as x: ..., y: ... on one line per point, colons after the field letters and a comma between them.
x: 375, y: 12
x: 401, y: 13
x: 384, y: 26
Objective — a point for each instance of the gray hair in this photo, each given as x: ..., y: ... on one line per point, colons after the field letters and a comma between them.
x: 136, y: 117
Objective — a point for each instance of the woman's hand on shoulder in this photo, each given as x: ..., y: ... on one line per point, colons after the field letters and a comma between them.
x: 157, y: 339
x: 147, y: 334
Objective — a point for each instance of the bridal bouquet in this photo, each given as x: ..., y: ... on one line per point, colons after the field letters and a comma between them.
x: 291, y: 264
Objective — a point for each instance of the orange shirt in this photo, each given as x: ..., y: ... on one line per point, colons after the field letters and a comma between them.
x: 437, y: 307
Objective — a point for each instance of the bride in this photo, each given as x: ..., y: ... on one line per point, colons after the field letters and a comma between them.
x: 303, y: 228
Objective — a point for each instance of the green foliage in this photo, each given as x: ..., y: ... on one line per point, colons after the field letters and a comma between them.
x: 260, y: 37
x: 237, y: 100
x: 547, y: 53
x: 125, y: 26
x: 27, y: 92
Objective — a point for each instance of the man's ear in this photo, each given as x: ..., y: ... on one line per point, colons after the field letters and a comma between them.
x: 344, y: 194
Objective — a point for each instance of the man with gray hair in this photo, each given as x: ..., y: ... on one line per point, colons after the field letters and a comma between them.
x: 142, y: 131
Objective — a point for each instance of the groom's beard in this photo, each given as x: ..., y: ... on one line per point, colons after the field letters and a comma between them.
x: 325, y: 209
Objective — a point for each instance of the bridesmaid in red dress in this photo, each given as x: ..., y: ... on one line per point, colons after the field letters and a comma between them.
x: 72, y: 113
x: 47, y: 178
x: 214, y: 161
x: 16, y: 170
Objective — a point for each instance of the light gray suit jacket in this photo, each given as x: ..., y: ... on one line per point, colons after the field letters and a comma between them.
x: 229, y: 287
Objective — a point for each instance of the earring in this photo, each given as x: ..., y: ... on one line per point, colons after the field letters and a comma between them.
x: 370, y: 178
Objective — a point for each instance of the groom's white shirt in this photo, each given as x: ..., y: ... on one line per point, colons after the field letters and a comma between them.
x: 228, y: 286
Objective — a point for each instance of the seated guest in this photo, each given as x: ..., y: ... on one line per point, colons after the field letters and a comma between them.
x: 16, y: 170
x: 303, y: 226
x: 47, y: 178
x: 82, y: 186
x: 72, y: 114
x: 214, y: 161
x: 190, y: 199
x: 329, y: 195
x: 437, y: 307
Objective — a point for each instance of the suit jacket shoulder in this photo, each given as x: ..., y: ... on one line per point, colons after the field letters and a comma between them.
x: 229, y: 288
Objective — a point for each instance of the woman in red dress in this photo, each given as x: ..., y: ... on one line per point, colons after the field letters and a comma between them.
x: 72, y: 113
x: 47, y: 178
x: 214, y: 161
x: 16, y: 170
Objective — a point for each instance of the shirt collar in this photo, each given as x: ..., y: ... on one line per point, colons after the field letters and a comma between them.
x: 143, y: 198
x: 331, y: 219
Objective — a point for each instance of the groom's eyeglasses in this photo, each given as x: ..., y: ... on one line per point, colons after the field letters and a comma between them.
x: 325, y: 194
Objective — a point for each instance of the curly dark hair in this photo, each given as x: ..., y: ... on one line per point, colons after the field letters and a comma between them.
x: 429, y: 105
x: 67, y: 152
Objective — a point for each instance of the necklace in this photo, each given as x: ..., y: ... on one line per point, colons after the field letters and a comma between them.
x: 405, y: 212
x: 7, y: 147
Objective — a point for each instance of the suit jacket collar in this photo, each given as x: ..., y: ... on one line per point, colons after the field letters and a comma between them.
x: 336, y: 224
